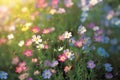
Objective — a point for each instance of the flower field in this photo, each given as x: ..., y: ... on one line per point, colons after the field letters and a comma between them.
x: 59, y: 40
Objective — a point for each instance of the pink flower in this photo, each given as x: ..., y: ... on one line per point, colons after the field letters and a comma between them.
x: 2, y: 41
x: 46, y: 46
x: 61, y: 10
x: 35, y: 29
x: 78, y: 43
x: 67, y: 68
x: 48, y: 30
x: 61, y: 38
x: 68, y: 3
x: 18, y: 69
x: 28, y: 42
x: 54, y: 3
x: 62, y: 58
x: 21, y: 67
x: 15, y: 60
x: 27, y: 53
x: 41, y: 3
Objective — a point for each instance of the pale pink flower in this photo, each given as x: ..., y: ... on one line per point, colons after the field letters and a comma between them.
x: 27, y: 52
x: 28, y: 42
x: 15, y: 60
x: 35, y: 29
x: 34, y: 60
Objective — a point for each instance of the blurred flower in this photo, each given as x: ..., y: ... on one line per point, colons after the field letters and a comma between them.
x: 61, y: 11
x: 35, y: 29
x: 23, y: 76
x: 67, y: 68
x: 52, y: 11
x: 3, y: 75
x: 37, y: 39
x: 108, y: 75
x: 26, y: 26
x: 28, y: 42
x: 15, y: 60
x: 54, y: 63
x: 48, y: 30
x: 91, y: 25
x: 46, y: 46
x: 27, y: 52
x: 2, y: 41
x: 21, y: 67
x: 68, y: 3
x: 78, y: 43
x: 46, y: 74
x: 101, y: 51
x: 60, y: 49
x: 36, y: 72
x: 69, y: 54
x: 10, y: 36
x: 47, y: 63
x: 34, y: 60
x: 29, y: 78
x: 53, y: 71
x: 81, y: 29
x: 61, y: 37
x: 67, y: 34
x: 108, y: 67
x: 71, y: 41
x: 12, y: 28
x: 91, y: 64
x: 62, y: 58
x: 114, y: 41
x: 98, y: 38
x: 41, y: 4
x: 105, y: 39
x: 55, y: 3
x: 24, y: 9
x: 40, y: 46
x: 21, y: 43
x: 96, y: 28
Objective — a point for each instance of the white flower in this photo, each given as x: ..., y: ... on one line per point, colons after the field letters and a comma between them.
x: 67, y: 34
x: 96, y: 28
x: 60, y: 49
x: 52, y: 11
x: 40, y: 46
x: 28, y: 24
x: 12, y: 28
x: 10, y: 36
x: 21, y: 43
x: 81, y: 29
x: 37, y: 39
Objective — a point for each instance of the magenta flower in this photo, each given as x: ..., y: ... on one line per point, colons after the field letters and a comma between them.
x: 62, y: 58
x: 27, y: 53
x: 90, y: 64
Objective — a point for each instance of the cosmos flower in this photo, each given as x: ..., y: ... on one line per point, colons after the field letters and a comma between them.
x: 48, y: 30
x: 52, y: 11
x: 91, y: 64
x: 27, y: 52
x: 21, y: 67
x: 36, y: 72
x: 34, y: 60
x: 37, y: 39
x: 62, y: 58
x: 3, y: 75
x: 108, y: 67
x: 67, y: 34
x: 46, y: 74
x: 35, y: 29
